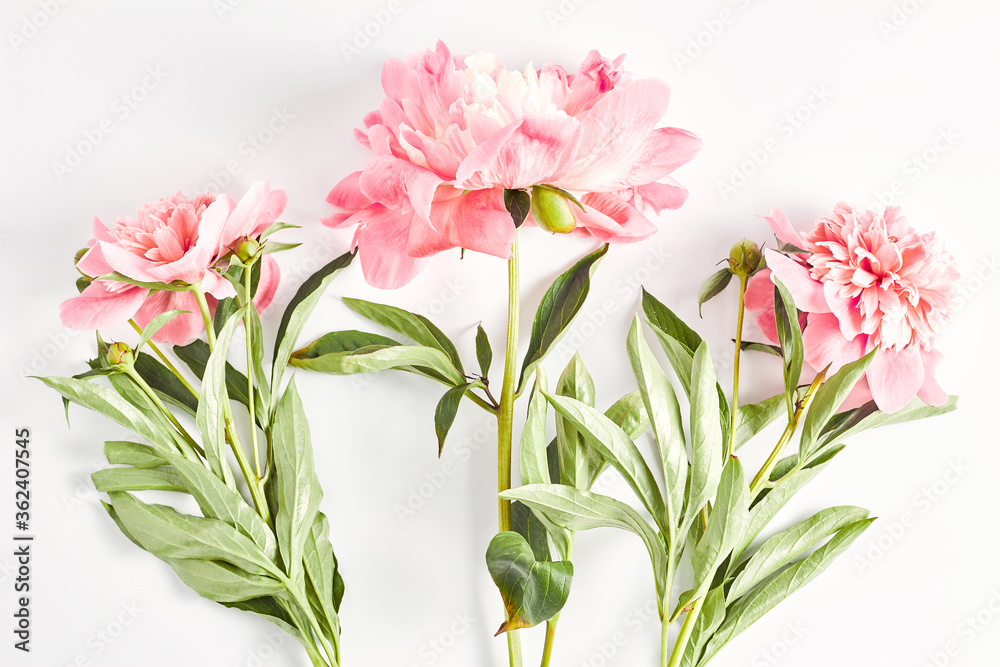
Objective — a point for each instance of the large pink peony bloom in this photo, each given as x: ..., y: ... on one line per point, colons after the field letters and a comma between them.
x: 453, y: 132
x: 174, y: 239
x: 866, y: 279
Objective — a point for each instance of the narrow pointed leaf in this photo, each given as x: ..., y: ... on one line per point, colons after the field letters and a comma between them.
x: 415, y: 327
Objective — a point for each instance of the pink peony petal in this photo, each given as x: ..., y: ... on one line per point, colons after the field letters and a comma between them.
x: 848, y: 314
x: 398, y: 184
x: 347, y: 194
x: 614, y: 134
x: 783, y: 229
x: 666, y: 194
x: 182, y: 329
x: 824, y: 344
x: 807, y: 292
x: 101, y: 305
x: 895, y: 377
x: 531, y: 151
x: 931, y: 392
x: 663, y: 151
x: 612, y: 219
x: 257, y: 210
x: 382, y: 241
x: 476, y: 220
x: 270, y: 275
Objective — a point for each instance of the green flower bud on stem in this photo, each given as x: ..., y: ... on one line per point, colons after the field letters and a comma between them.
x: 744, y: 258
x: 120, y: 354
x: 247, y: 250
x: 551, y: 210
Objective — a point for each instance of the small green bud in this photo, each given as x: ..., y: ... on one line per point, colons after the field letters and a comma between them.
x: 744, y: 258
x: 79, y: 255
x: 120, y: 354
x: 552, y: 211
x: 247, y: 250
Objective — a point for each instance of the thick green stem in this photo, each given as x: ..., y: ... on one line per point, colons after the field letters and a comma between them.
x: 250, y: 371
x: 206, y: 314
x: 736, y: 367
x: 682, y: 640
x: 506, y: 418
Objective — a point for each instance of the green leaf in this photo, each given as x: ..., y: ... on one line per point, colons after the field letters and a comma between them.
x: 108, y: 403
x: 582, y: 510
x: 760, y: 347
x: 275, y: 227
x: 752, y: 606
x: 122, y: 452
x: 579, y: 463
x: 829, y: 397
x: 714, y: 286
x: 326, y: 355
x: 195, y: 355
x: 415, y: 327
x: 526, y: 523
x: 667, y: 322
x: 214, y: 403
x: 629, y: 414
x: 532, y: 454
x: 786, y: 318
x: 170, y: 535
x: 221, y: 582
x: 321, y: 570
x: 789, y: 544
x: 561, y: 303
x: 706, y: 434
x: 137, y: 479
x: 165, y: 383
x: 752, y: 418
x: 518, y: 203
x: 223, y: 311
x: 447, y: 409
x: 533, y: 591
x: 868, y: 416
x: 713, y: 612
x: 665, y: 418
x: 176, y: 286
x: 484, y: 352
x: 297, y: 487
x: 297, y: 312
x: 155, y: 325
x: 619, y: 450
x: 725, y: 527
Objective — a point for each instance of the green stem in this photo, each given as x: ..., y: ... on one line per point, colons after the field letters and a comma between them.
x: 505, y: 418
x: 253, y: 483
x: 308, y: 640
x: 165, y: 360
x: 681, y: 644
x: 550, y: 627
x: 188, y: 444
x: 250, y: 371
x: 736, y: 366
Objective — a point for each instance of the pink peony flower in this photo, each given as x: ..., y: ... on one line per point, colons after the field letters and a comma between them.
x: 865, y: 280
x: 453, y: 132
x: 174, y: 239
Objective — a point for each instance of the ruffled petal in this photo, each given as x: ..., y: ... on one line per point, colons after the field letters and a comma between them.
x: 398, y: 184
x: 98, y: 306
x: 807, y: 293
x: 476, y: 220
x: 665, y: 194
x: 347, y: 194
x: 895, y: 377
x: 531, y: 151
x: 612, y: 219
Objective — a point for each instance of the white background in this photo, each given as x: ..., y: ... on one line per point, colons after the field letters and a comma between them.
x: 881, y: 93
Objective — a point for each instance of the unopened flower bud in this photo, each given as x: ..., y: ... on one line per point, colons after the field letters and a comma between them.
x: 247, y: 250
x: 79, y: 255
x: 744, y: 257
x: 120, y: 354
x: 552, y: 211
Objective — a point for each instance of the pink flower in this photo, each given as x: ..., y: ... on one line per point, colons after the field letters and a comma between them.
x: 866, y: 279
x: 453, y: 132
x: 174, y: 239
